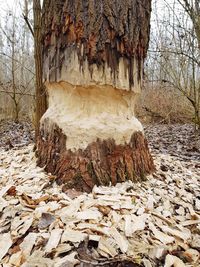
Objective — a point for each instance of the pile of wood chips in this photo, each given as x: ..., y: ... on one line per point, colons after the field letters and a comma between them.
x: 156, y: 223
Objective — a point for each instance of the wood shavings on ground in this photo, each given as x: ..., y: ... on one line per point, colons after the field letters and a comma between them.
x: 156, y: 223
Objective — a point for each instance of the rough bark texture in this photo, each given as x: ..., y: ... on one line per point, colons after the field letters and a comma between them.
x: 93, y: 54
x: 41, y: 103
x: 100, y: 32
x: 101, y: 163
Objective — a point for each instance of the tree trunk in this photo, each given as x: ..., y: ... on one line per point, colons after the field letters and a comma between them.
x: 93, y: 54
x: 41, y: 104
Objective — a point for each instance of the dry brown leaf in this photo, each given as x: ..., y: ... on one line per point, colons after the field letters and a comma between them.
x: 12, y: 191
x: 4, y: 190
x: 104, y: 210
x: 34, y: 202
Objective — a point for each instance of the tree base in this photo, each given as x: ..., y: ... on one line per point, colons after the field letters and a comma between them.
x: 101, y: 163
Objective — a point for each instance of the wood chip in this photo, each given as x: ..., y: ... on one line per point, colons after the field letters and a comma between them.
x: 4, y: 190
x: 89, y: 215
x: 27, y: 245
x: 108, y: 246
x: 121, y: 241
x: 72, y: 236
x: 16, y: 259
x: 68, y: 261
x: 53, y: 240
x: 185, y: 234
x: 173, y: 261
x: 5, y: 244
x: 191, y: 255
x: 165, y: 239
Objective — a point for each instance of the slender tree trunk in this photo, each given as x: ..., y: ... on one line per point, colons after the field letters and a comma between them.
x: 93, y: 54
x: 14, y: 95
x: 41, y: 104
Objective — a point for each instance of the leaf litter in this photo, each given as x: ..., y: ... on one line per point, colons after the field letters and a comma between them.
x: 156, y: 223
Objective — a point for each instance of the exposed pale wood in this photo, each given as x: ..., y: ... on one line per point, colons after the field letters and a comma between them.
x: 93, y: 54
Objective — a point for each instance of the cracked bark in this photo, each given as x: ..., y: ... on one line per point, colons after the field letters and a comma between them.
x: 93, y: 54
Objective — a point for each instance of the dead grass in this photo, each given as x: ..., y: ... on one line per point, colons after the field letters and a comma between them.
x: 156, y: 104
x: 7, y: 109
x: 165, y: 105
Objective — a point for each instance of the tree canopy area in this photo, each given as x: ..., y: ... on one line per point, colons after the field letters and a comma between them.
x: 100, y: 133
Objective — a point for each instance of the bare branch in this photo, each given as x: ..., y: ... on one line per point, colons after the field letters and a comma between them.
x: 28, y: 24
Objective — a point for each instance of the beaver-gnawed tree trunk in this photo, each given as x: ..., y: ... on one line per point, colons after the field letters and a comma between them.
x: 93, y: 54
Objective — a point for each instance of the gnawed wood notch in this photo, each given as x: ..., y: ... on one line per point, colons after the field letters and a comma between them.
x: 93, y: 54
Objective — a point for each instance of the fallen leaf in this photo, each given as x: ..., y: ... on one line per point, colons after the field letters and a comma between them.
x: 46, y: 220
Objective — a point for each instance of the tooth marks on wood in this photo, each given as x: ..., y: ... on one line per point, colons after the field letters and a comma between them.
x: 100, y: 32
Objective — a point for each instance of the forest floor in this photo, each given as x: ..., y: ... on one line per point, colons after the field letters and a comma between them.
x: 156, y: 223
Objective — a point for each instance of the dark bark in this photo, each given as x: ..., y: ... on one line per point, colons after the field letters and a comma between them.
x: 101, y: 163
x: 99, y: 31
x: 109, y: 38
x: 41, y: 104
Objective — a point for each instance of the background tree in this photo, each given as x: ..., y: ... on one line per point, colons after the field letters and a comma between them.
x: 174, y: 60
x: 16, y: 63
x: 41, y: 104
x: 192, y: 7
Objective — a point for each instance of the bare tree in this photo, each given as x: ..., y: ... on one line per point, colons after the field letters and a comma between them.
x: 174, y: 52
x: 41, y: 104
x: 192, y: 7
x: 16, y: 74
